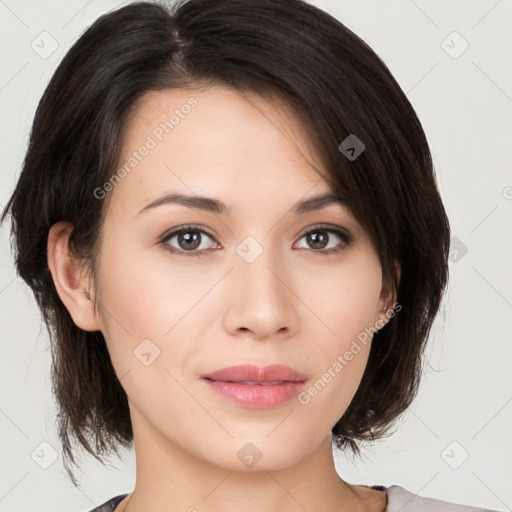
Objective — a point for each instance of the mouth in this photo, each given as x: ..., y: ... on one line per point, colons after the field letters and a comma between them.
x: 255, y: 387
x: 272, y: 383
x: 253, y: 374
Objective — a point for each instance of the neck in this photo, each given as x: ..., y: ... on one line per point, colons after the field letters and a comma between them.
x: 170, y: 479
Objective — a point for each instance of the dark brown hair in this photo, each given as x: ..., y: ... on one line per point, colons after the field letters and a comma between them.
x: 338, y: 87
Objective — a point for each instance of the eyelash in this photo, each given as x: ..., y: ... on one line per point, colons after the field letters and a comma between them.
x: 347, y: 240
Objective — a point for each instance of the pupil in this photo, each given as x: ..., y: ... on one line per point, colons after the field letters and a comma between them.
x: 318, y: 239
x: 188, y: 239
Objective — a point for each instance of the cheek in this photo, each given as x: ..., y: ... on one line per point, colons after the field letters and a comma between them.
x: 142, y: 316
x: 147, y: 294
x: 346, y: 302
x: 345, y: 299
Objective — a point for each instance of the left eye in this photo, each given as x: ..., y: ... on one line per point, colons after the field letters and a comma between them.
x: 319, y: 238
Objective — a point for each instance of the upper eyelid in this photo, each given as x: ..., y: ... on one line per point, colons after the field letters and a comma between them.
x: 190, y: 227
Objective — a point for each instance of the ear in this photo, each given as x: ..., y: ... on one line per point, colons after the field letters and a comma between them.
x: 70, y: 282
x: 388, y: 296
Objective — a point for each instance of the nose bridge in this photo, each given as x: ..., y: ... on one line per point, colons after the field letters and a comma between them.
x: 257, y: 265
x: 263, y: 304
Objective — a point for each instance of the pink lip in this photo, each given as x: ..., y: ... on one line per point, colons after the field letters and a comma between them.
x: 227, y: 382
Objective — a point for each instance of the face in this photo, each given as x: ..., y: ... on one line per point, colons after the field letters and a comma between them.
x: 247, y: 285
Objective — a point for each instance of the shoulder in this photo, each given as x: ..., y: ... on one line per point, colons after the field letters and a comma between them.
x: 400, y: 499
x: 110, y: 505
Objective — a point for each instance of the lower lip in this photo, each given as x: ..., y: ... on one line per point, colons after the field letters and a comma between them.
x: 256, y: 395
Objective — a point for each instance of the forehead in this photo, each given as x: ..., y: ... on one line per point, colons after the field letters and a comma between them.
x: 217, y: 142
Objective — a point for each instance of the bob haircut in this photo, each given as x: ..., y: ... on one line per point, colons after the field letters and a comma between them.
x: 286, y: 49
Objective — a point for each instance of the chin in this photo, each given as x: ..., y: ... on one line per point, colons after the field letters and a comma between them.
x: 259, y: 454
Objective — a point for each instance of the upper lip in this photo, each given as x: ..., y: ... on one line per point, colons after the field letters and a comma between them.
x: 253, y: 373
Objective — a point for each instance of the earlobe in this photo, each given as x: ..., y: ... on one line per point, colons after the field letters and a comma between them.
x: 67, y: 274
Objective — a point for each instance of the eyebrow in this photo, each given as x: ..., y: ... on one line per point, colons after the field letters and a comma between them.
x: 210, y: 204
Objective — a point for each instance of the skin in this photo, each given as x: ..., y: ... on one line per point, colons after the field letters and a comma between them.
x: 292, y: 305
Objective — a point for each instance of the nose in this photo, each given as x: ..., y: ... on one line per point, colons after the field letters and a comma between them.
x: 260, y: 302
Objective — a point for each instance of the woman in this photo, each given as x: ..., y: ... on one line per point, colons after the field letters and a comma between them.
x: 229, y: 218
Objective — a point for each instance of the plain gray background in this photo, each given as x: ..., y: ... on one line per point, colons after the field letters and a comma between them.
x: 455, y: 443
